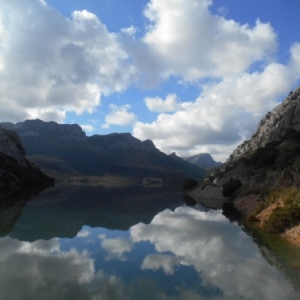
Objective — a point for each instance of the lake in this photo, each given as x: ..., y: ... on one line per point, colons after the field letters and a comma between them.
x: 136, y: 243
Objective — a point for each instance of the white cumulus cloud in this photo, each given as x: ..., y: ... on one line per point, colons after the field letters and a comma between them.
x: 131, y: 31
x: 50, y: 64
x: 225, y: 113
x: 157, y: 261
x: 185, y: 39
x: 87, y: 127
x: 119, y: 115
x: 116, y: 248
x: 157, y: 104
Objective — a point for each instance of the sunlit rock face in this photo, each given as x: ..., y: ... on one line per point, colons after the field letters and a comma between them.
x: 274, y: 125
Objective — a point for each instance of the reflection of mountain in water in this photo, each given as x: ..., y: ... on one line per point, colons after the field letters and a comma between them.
x: 61, y: 212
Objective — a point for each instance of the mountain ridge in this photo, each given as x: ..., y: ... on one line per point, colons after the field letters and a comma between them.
x: 52, y: 146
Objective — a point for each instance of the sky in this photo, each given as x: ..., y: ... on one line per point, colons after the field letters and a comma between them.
x: 194, y: 76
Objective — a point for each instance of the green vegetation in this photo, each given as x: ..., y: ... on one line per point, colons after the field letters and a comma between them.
x: 287, y: 196
x: 276, y: 155
x: 283, y: 218
x: 287, y: 215
x: 189, y: 184
x: 263, y: 157
x: 230, y: 187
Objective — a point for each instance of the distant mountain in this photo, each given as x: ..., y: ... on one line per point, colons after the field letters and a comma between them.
x: 203, y: 160
x: 64, y: 150
x: 16, y: 171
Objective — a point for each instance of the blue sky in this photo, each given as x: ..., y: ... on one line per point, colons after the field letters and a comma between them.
x: 192, y: 75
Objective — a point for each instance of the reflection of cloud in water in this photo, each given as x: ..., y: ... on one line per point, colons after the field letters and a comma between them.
x: 223, y: 255
x: 156, y: 261
x: 101, y: 236
x: 40, y: 270
x: 83, y: 233
x: 28, y: 269
x: 116, y: 248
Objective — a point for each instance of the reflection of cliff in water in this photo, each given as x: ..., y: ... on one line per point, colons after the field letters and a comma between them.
x: 278, y: 253
x: 61, y: 212
x: 11, y: 208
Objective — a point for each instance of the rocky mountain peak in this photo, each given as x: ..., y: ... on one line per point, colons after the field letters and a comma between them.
x: 173, y: 154
x: 273, y: 126
x: 149, y: 144
x: 203, y: 160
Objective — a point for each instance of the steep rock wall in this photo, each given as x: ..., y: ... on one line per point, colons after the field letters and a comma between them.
x: 273, y: 126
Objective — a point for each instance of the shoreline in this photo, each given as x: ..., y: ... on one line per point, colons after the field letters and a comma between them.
x: 211, y: 197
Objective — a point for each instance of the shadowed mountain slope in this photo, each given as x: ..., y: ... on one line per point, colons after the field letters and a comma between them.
x: 16, y: 171
x: 63, y: 149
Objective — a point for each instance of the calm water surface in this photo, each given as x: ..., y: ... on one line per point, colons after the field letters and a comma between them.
x: 131, y: 243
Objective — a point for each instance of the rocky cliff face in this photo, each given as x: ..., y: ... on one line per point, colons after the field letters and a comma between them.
x: 269, y: 160
x: 15, y: 170
x: 273, y: 126
x: 10, y: 145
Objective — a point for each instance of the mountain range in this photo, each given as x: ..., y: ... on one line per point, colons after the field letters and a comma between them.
x: 63, y: 150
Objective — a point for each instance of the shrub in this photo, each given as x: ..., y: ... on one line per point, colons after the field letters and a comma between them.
x: 288, y: 196
x: 252, y: 218
x: 189, y: 201
x: 230, y: 212
x: 189, y: 184
x: 230, y: 187
x: 283, y: 218
x: 285, y: 159
x: 292, y: 135
x: 263, y: 157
